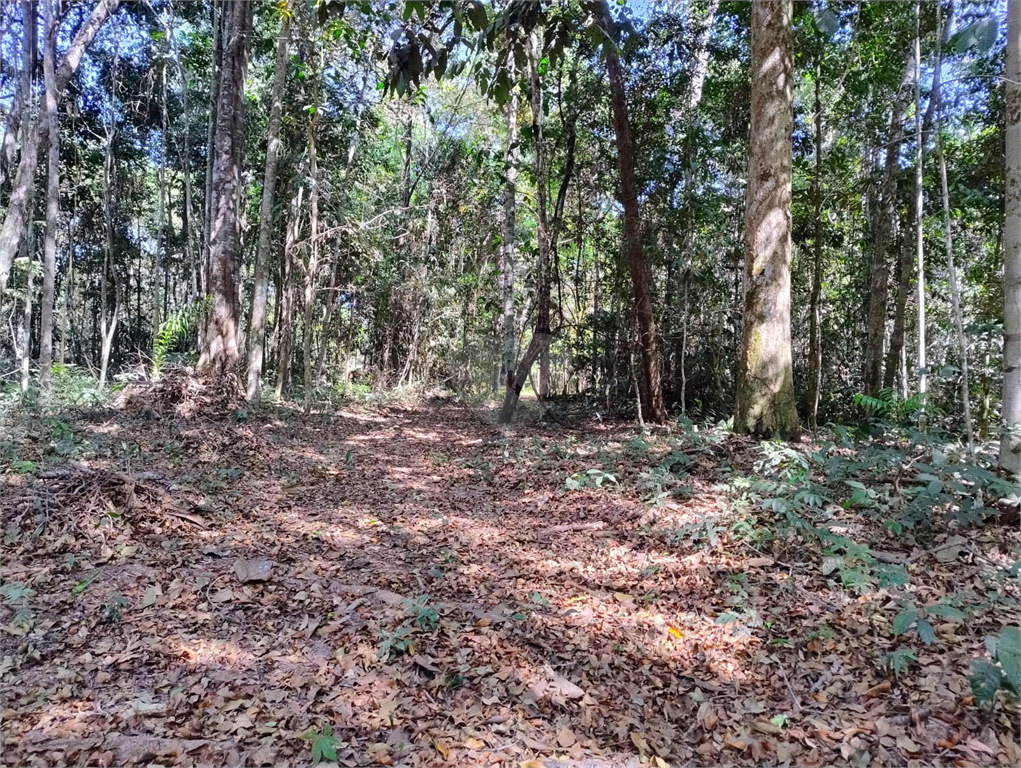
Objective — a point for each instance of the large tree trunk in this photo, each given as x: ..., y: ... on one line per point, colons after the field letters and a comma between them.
x: 257, y: 341
x: 52, y: 200
x: 19, y: 206
x: 1010, y: 447
x: 220, y: 344
x: 815, y: 301
x: 507, y: 240
x: 652, y: 390
x: 765, y: 385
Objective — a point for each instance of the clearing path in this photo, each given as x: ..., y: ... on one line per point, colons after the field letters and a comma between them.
x: 413, y: 586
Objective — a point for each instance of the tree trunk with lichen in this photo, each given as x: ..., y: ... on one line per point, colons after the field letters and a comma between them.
x: 765, y: 386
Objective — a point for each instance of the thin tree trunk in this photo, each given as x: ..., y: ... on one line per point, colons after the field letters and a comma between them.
x: 220, y: 351
x: 885, y: 237
x: 159, y: 254
x: 507, y: 240
x: 23, y: 95
x: 108, y: 323
x: 684, y: 349
x: 923, y: 372
x: 765, y: 386
x: 955, y: 295
x: 214, y: 98
x: 895, y: 353
x: 313, y: 264
x: 701, y: 57
x: 652, y: 390
x: 955, y: 290
x: 24, y: 333
x: 541, y: 336
x: 1010, y: 446
x: 893, y: 356
x: 815, y: 301
x: 285, y: 322
x: 19, y: 206
x: 257, y: 341
x: 52, y: 200
x: 324, y: 335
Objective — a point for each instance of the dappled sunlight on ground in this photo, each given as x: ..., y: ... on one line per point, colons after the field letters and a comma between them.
x: 440, y: 593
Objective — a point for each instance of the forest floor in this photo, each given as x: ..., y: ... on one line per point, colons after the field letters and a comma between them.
x: 415, y: 586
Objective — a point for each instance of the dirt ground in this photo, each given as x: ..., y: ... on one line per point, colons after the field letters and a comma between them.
x: 414, y: 586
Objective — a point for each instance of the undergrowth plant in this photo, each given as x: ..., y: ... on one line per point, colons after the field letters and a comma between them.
x: 172, y: 330
x: 1003, y: 672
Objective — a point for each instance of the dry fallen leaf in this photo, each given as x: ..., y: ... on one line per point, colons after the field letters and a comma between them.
x: 252, y: 570
x: 639, y: 741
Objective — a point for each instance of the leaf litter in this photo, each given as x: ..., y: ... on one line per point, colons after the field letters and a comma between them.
x: 414, y: 586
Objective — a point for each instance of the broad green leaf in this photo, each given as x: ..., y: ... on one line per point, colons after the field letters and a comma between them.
x: 1008, y: 653
x: 926, y: 632
x: 903, y: 621
x: 985, y: 680
x: 947, y: 612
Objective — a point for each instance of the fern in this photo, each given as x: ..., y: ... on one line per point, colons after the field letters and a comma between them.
x: 173, y: 329
x: 888, y: 405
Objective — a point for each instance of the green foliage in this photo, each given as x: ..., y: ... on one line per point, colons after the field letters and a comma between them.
x: 898, y: 661
x: 112, y: 609
x: 396, y: 642
x: 1003, y: 672
x: 890, y: 406
x: 16, y: 590
x: 175, y: 328
x: 324, y: 744
x: 423, y: 615
x: 592, y: 478
x: 419, y: 615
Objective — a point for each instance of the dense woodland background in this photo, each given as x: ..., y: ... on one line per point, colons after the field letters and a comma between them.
x: 267, y: 271
x: 422, y: 187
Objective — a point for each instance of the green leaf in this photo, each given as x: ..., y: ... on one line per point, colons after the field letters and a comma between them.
x: 81, y: 586
x: 1008, y: 653
x: 985, y: 680
x: 903, y: 621
x: 926, y: 632
x: 947, y: 612
x: 476, y: 12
